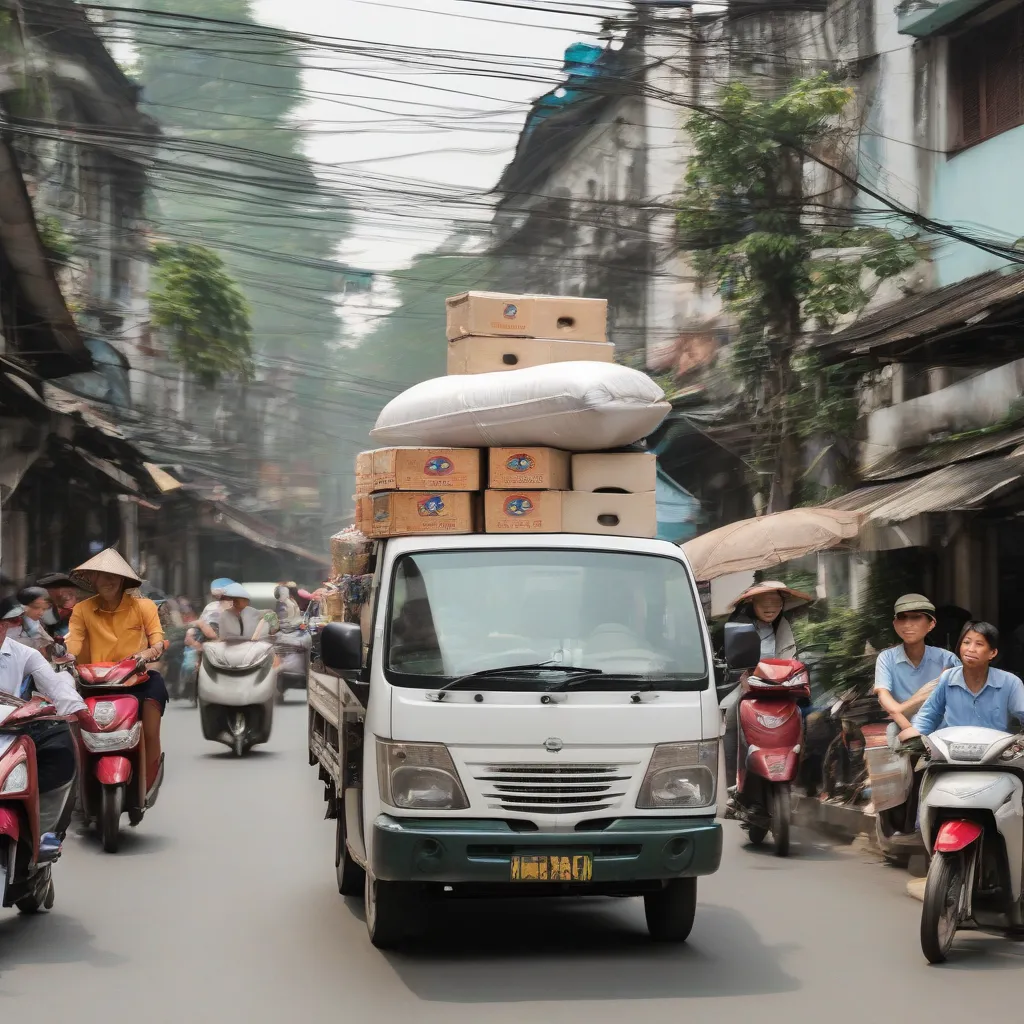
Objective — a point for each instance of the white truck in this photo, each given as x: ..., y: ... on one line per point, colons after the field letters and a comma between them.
x: 525, y: 715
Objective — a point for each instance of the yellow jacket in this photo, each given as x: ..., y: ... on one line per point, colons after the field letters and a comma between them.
x: 97, y: 635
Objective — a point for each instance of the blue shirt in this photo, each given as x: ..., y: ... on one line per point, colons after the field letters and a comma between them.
x: 895, y: 673
x: 991, y: 707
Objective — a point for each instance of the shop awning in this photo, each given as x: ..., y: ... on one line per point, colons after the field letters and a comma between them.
x: 912, y: 462
x: 957, y: 488
x: 261, y: 534
x: 163, y: 480
x: 987, y: 307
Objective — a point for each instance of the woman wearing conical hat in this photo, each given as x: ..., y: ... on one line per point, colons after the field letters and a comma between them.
x: 118, y: 624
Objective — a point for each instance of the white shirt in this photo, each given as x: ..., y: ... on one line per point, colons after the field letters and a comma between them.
x: 18, y: 661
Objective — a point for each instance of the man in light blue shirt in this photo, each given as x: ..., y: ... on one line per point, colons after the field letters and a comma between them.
x: 974, y: 694
x: 904, y: 674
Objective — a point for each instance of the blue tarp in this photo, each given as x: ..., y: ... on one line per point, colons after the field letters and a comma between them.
x: 678, y: 510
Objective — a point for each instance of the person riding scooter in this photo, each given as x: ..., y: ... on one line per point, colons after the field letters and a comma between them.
x: 972, y: 693
x: 209, y: 618
x: 765, y: 605
x: 116, y: 625
x: 55, y: 747
x: 907, y: 673
x: 239, y: 619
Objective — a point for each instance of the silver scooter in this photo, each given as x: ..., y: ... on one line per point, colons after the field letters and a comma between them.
x: 237, y: 687
x: 972, y: 823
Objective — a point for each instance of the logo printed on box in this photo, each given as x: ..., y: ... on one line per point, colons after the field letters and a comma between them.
x: 520, y: 463
x: 511, y: 311
x: 439, y: 465
x: 432, y: 506
x: 518, y: 505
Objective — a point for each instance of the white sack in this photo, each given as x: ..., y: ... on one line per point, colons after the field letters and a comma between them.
x: 578, y: 407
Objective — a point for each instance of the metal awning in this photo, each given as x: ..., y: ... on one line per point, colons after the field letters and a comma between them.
x: 957, y: 488
x: 979, y: 306
x: 913, y: 461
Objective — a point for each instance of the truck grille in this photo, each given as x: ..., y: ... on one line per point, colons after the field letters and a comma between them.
x: 553, y: 788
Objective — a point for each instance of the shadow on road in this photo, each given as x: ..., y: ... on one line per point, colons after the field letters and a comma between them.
x: 52, y: 938
x: 805, y: 846
x: 255, y: 754
x: 583, y: 950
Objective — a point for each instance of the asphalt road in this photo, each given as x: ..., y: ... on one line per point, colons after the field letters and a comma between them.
x: 222, y: 907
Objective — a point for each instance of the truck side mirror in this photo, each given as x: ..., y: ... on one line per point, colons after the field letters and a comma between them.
x: 742, y: 646
x: 341, y: 646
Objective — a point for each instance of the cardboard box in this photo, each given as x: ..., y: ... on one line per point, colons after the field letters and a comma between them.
x: 423, y: 469
x: 364, y: 473
x: 542, y: 469
x: 523, y: 511
x: 632, y: 472
x: 494, y: 314
x: 474, y: 354
x: 614, y: 515
x: 404, y: 513
x: 364, y: 513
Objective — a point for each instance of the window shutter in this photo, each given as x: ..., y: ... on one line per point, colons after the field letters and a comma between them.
x: 987, y: 65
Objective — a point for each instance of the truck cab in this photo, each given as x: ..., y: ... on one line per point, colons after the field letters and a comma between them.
x: 520, y: 715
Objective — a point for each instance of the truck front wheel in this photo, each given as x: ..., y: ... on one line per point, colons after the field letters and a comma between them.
x: 391, y: 912
x: 351, y: 880
x: 670, y: 911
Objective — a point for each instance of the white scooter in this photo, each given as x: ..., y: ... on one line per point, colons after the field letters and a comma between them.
x: 972, y: 823
x: 237, y: 687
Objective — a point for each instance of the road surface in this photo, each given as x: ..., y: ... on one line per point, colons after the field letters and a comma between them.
x: 222, y: 907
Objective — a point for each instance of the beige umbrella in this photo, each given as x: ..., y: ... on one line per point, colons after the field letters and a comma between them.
x: 767, y: 541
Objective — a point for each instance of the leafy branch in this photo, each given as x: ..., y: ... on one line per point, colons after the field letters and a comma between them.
x: 203, y: 310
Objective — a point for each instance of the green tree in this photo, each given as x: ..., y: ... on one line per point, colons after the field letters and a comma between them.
x: 753, y: 229
x: 206, y: 315
x: 234, y: 176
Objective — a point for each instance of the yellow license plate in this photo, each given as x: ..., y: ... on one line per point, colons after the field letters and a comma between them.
x: 554, y: 867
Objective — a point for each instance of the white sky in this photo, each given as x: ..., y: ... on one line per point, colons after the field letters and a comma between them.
x: 450, y: 152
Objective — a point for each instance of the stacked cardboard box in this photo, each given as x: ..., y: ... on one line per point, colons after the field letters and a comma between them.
x: 418, y: 490
x: 488, y: 332
x: 402, y: 491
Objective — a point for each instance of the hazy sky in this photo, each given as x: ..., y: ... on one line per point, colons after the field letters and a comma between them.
x: 432, y: 125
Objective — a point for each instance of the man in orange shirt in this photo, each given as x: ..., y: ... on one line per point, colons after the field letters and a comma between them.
x: 117, y: 624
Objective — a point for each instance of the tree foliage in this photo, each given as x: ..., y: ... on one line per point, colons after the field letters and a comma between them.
x: 247, y: 188
x: 205, y: 313
x: 754, y: 233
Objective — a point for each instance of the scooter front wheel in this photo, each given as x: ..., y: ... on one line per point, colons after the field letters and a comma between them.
x: 111, y: 807
x: 781, y: 813
x: 943, y: 905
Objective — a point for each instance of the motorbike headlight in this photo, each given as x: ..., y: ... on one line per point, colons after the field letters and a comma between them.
x: 104, y: 713
x: 104, y: 742
x: 681, y: 775
x: 419, y: 776
x: 17, y: 779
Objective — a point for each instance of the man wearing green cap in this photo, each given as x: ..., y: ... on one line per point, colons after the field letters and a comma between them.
x: 906, y: 674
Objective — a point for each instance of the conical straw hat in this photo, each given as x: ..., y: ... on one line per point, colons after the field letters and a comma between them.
x: 107, y: 560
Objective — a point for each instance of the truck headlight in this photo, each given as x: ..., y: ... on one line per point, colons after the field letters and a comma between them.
x: 418, y: 776
x: 681, y: 775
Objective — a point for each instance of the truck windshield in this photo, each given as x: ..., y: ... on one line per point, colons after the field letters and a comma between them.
x: 631, y: 618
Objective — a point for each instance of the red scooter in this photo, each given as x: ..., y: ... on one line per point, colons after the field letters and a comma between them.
x: 114, y: 762
x: 25, y: 869
x: 770, y: 743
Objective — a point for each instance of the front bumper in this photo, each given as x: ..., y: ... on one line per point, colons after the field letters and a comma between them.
x: 477, y: 851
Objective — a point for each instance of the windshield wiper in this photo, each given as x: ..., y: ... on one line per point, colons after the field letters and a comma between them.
x: 641, y: 683
x: 511, y: 670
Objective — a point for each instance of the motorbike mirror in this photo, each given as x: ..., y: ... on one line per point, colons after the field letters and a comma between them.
x: 341, y: 646
x: 742, y: 646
